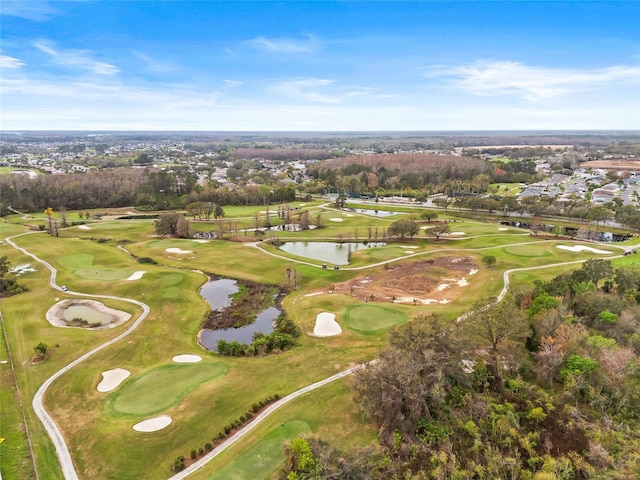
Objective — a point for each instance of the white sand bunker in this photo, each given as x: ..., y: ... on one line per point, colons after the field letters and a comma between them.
x: 408, y: 246
x: 326, y: 325
x: 502, y: 229
x: 473, y: 271
x: 201, y: 240
x: 96, y: 315
x: 84, y: 227
x: 135, y: 276
x: 187, y: 358
x: 153, y: 424
x: 582, y: 248
x: 456, y: 233
x: 335, y: 219
x: 313, y: 294
x: 178, y: 250
x: 111, y: 379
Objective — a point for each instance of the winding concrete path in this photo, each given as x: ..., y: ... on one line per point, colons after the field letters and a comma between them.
x: 62, y: 451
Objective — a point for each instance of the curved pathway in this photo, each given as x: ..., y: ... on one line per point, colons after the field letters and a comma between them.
x: 62, y: 451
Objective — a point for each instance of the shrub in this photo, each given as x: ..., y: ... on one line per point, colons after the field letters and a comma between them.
x: 201, y: 451
x: 227, y: 429
x: 148, y: 260
x: 193, y: 453
x: 255, y: 407
x: 208, y: 446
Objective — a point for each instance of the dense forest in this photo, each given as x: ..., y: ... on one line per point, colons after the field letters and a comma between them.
x: 416, y: 174
x: 147, y: 189
x: 544, y: 385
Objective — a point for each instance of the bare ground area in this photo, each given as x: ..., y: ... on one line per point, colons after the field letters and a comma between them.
x: 621, y: 164
x: 439, y: 280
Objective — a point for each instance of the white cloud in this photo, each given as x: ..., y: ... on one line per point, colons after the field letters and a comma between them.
x: 35, y: 10
x: 317, y: 90
x: 283, y: 45
x: 80, y: 59
x: 153, y: 64
x: 493, y: 78
x: 232, y: 83
x: 10, y: 62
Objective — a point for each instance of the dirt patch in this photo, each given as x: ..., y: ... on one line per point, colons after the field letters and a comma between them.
x: 405, y: 282
x: 620, y: 164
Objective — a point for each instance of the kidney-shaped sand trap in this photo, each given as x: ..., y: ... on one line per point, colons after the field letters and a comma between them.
x: 135, y: 275
x: 178, y: 250
x: 153, y: 424
x: 187, y: 358
x: 582, y: 248
x: 336, y: 219
x: 326, y: 325
x: 111, y: 379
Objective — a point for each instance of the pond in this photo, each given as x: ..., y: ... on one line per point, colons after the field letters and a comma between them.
x: 330, y: 252
x: 375, y: 213
x: 218, y: 293
x: 87, y: 314
x: 264, y: 323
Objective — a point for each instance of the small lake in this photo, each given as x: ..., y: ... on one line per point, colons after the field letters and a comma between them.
x: 264, y: 323
x: 375, y: 213
x: 330, y: 252
x: 87, y: 314
x: 218, y: 293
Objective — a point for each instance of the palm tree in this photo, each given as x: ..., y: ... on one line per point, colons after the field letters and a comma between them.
x: 49, y: 213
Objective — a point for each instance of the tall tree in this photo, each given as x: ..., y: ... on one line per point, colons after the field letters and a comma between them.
x: 597, y: 269
x: 497, y: 324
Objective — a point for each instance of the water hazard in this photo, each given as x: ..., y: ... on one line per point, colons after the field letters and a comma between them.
x: 218, y: 293
x: 330, y: 252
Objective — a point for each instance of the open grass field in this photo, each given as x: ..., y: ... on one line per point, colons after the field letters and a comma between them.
x: 202, y: 398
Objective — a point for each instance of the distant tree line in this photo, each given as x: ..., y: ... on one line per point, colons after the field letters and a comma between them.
x: 148, y: 189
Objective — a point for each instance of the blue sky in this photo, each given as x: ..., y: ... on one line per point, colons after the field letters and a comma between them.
x: 332, y: 66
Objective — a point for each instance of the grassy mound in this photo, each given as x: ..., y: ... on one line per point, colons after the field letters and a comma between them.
x: 163, y: 387
x: 370, y: 318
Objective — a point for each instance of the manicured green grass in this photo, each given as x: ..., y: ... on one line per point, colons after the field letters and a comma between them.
x: 526, y: 251
x: 163, y: 387
x: 77, y: 260
x: 370, y: 318
x: 259, y: 461
x: 15, y: 457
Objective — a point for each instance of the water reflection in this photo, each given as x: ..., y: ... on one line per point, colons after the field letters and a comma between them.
x: 330, y: 252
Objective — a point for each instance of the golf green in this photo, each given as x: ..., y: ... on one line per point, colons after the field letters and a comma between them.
x: 102, y: 273
x: 370, y: 318
x: 79, y: 260
x: 526, y: 251
x: 163, y: 387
